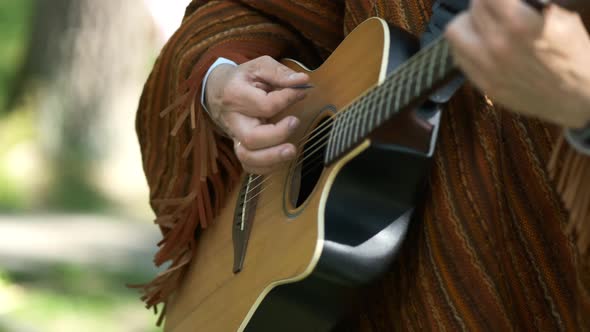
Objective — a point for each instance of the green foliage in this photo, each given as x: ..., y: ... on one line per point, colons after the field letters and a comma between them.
x: 15, y: 128
x: 14, y: 28
x: 71, y: 192
x: 14, y: 24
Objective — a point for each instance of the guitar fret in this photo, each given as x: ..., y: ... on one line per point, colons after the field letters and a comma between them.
x: 351, y: 139
x: 341, y: 131
x: 358, y: 121
x: 379, y: 116
x: 398, y: 91
x: 408, y: 78
x: 385, y: 100
x: 408, y: 82
x: 351, y: 123
x: 419, y: 79
x: 331, y: 140
x: 424, y: 73
x: 348, y: 128
x: 364, y: 120
x: 388, y: 106
x: 337, y: 133
x: 431, y: 67
x: 448, y: 59
x: 442, y: 59
x: 370, y: 118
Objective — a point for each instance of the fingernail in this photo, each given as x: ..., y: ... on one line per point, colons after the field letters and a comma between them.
x: 287, y: 153
x: 296, y: 76
x: 293, y: 123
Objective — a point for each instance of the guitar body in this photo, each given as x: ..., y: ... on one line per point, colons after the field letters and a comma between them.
x: 314, y: 241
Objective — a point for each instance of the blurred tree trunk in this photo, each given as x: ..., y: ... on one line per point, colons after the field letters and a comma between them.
x: 87, y: 60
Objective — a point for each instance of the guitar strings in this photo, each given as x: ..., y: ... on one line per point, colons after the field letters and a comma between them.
x: 401, y: 75
x: 328, y: 124
x: 316, y: 146
x: 400, y: 78
x: 315, y: 132
x: 266, y: 211
x: 306, y: 154
x: 320, y: 129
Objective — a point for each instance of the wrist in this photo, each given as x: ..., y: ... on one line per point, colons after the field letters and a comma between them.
x: 214, y: 88
x: 578, y: 133
x: 582, y: 88
x: 579, y: 139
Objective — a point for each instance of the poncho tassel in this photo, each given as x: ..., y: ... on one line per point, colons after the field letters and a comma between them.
x: 570, y: 171
x: 212, y: 156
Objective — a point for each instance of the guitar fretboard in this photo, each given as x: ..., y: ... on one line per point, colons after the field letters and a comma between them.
x: 410, y: 83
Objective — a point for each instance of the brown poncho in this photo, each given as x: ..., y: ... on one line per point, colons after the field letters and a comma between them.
x: 490, y: 251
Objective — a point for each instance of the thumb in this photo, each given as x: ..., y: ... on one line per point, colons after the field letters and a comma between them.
x: 269, y: 71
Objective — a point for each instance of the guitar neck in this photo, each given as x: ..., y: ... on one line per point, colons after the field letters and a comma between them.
x: 406, y: 87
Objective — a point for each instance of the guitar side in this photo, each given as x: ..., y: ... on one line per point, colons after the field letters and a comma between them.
x: 292, y: 245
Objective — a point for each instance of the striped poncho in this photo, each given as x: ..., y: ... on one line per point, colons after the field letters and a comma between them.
x: 489, y: 250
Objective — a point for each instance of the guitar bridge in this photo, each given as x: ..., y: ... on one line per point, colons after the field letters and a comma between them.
x: 243, y: 218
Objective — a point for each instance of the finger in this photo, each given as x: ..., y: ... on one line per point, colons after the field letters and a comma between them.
x: 265, y: 135
x: 530, y: 17
x: 489, y: 30
x: 476, y: 75
x: 484, y: 20
x: 467, y: 48
x: 502, y: 10
x: 263, y: 86
x: 258, y: 170
x: 516, y: 16
x: 265, y: 158
x: 258, y: 103
x: 461, y: 35
x: 268, y: 70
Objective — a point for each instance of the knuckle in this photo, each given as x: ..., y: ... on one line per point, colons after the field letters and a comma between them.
x: 266, y: 58
x: 292, y: 97
x: 499, y: 46
x: 452, y: 31
x: 226, y: 99
x: 267, y: 108
x: 561, y: 30
x: 516, y: 26
x: 242, y: 155
x: 455, y: 28
x: 229, y: 94
x: 248, y: 139
x: 282, y: 70
x: 492, y: 87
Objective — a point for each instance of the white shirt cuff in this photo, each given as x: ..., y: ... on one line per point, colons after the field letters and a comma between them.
x: 219, y: 61
x: 579, y: 139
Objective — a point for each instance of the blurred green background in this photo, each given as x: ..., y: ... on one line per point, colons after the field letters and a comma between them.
x: 75, y: 225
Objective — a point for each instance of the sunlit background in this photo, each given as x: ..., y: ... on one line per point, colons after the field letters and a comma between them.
x: 75, y: 226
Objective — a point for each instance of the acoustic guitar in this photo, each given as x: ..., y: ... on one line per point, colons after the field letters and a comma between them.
x: 290, y: 249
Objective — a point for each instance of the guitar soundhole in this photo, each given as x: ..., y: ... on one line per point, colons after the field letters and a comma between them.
x: 310, y: 163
